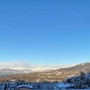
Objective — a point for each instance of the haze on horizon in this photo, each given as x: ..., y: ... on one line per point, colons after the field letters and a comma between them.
x: 49, y: 32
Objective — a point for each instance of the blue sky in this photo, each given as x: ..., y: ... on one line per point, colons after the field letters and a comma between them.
x: 45, y: 32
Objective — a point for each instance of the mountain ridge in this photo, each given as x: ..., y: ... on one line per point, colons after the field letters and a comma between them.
x: 21, y: 70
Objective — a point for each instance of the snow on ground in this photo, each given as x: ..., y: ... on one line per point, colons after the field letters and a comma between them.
x: 62, y: 85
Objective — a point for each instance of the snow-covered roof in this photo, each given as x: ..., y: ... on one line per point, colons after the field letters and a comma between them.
x: 63, y: 85
x: 26, y: 86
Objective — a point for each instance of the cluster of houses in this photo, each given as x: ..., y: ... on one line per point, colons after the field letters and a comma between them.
x: 14, y: 85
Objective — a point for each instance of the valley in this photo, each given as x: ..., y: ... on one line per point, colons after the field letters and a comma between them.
x: 47, y: 75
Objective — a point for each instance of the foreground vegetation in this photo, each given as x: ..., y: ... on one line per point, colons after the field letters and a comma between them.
x: 81, y: 81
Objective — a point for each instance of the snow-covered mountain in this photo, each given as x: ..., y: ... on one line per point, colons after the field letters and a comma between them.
x: 14, y: 68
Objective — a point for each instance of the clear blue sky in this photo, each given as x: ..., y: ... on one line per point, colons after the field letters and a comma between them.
x: 45, y: 32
